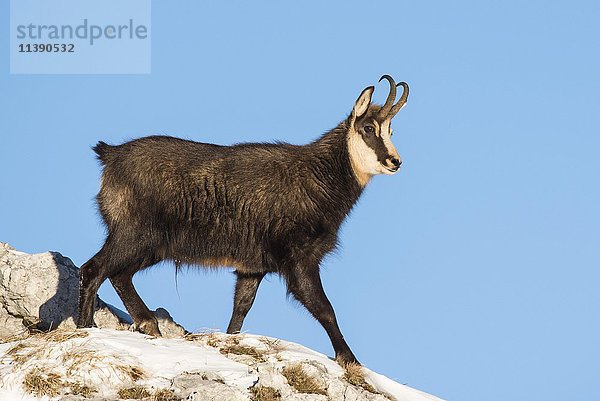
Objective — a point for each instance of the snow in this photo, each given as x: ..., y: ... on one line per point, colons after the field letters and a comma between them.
x: 18, y: 253
x: 400, y: 391
x: 166, y: 358
x: 161, y: 360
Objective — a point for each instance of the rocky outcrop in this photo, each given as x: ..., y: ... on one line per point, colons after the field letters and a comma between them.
x: 41, y: 291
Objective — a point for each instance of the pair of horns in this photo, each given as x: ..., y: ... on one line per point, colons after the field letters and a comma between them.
x: 390, y: 109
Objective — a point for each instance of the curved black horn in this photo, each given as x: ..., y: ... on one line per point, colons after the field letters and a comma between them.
x: 402, y: 100
x: 391, y: 97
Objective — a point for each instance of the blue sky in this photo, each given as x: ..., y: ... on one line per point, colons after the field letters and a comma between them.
x: 472, y: 274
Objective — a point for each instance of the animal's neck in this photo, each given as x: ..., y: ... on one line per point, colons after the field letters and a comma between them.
x: 333, y: 169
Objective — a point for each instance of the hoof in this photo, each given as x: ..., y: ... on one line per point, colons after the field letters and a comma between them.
x: 346, y: 359
x: 149, y: 327
x: 89, y: 326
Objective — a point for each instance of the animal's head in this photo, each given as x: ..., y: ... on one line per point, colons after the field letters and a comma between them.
x: 370, y: 133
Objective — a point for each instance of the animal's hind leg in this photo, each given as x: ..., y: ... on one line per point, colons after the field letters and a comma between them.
x: 245, y: 293
x: 143, y: 318
x: 91, y: 276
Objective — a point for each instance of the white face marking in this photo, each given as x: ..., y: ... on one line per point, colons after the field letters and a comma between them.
x: 364, y: 159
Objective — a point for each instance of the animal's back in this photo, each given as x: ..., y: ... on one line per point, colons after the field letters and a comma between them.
x: 203, y: 203
x: 142, y: 176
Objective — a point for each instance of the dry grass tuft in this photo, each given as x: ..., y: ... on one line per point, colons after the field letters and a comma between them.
x: 24, y: 350
x: 50, y: 384
x: 165, y: 395
x: 16, y: 348
x: 40, y: 384
x: 228, y: 344
x: 302, y: 381
x: 231, y: 344
x: 133, y: 393
x: 265, y: 393
x: 274, y: 346
x: 237, y: 349
x: 61, y: 335
x: 81, y: 389
x: 210, y: 338
x: 78, y: 359
x: 35, y: 346
x: 354, y: 375
x: 133, y: 372
x: 271, y: 343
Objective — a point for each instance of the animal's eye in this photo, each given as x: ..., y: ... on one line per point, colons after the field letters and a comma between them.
x: 369, y: 129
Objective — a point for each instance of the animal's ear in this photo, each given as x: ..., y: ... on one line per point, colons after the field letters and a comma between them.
x: 362, y: 103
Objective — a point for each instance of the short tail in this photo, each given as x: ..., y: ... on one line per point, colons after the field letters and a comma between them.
x: 102, y: 149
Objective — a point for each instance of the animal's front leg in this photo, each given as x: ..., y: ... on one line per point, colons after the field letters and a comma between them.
x: 245, y: 293
x: 307, y: 288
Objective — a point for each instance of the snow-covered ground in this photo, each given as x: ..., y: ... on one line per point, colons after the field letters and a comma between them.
x: 98, y: 363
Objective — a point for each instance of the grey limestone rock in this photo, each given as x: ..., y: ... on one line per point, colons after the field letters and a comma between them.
x: 41, y: 291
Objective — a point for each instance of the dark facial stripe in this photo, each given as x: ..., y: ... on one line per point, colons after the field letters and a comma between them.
x: 375, y: 142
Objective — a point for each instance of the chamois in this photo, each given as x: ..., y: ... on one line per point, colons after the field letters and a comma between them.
x: 257, y: 207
